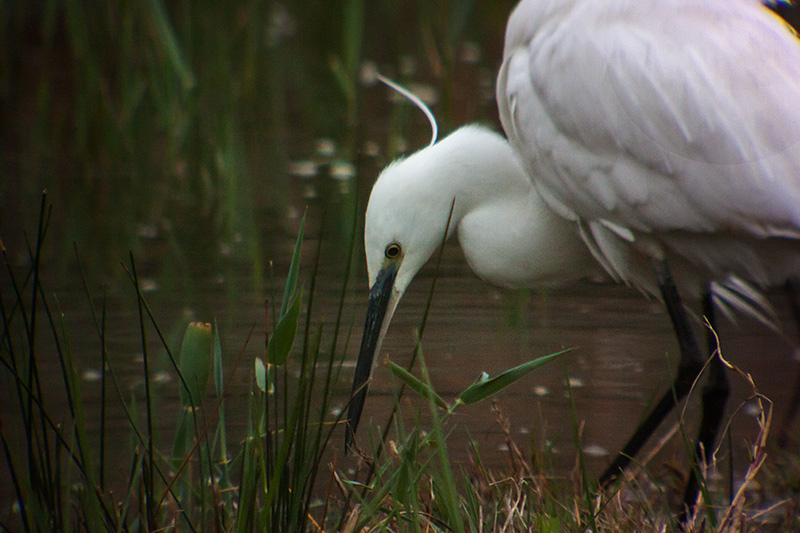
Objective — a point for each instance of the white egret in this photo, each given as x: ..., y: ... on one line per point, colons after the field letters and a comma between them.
x: 658, y: 139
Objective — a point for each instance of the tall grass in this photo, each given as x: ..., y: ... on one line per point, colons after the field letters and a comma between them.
x: 284, y: 473
x: 53, y: 464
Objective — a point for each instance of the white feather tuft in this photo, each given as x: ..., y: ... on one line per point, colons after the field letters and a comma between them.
x: 417, y: 101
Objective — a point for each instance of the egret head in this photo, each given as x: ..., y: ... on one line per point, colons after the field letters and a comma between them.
x: 414, y: 201
x: 405, y: 222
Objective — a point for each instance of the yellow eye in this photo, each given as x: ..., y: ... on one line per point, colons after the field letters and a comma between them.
x: 393, y: 251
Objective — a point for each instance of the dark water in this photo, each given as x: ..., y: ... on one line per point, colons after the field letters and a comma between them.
x: 623, y: 357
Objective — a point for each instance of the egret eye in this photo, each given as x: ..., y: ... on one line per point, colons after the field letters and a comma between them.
x: 393, y: 251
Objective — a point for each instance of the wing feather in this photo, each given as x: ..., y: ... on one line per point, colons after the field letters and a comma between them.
x: 658, y: 116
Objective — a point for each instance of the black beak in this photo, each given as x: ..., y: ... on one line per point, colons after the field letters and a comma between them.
x: 379, y: 297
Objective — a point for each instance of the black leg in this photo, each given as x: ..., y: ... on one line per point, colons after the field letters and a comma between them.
x: 792, y: 288
x: 689, y: 366
x: 715, y: 396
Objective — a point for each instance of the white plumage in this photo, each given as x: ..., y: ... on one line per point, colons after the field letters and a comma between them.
x: 659, y: 139
x: 667, y: 128
x: 505, y: 230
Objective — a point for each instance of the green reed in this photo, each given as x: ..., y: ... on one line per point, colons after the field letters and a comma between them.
x: 284, y: 473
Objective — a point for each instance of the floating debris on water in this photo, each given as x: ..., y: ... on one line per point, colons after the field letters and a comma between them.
x: 595, y: 450
x: 148, y: 285
x: 91, y: 375
x: 576, y: 383
x: 541, y: 390
x: 368, y: 74
x: 325, y: 147
x: 303, y: 169
x: 371, y: 148
x: 162, y: 377
x: 343, y: 170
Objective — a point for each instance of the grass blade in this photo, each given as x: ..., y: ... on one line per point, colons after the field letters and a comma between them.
x: 294, y: 269
x: 170, y: 44
x: 483, y: 389
x: 281, y: 342
x: 417, y: 385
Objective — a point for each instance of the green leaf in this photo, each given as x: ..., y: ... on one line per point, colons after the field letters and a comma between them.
x: 183, y: 438
x: 219, y: 384
x: 418, y: 386
x: 294, y: 270
x: 261, y: 375
x: 483, y: 388
x: 194, y: 363
x: 281, y: 342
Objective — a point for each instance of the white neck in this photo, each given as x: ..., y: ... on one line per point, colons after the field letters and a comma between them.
x: 508, y: 235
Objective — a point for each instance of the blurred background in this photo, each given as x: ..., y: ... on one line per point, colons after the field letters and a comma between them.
x: 198, y: 132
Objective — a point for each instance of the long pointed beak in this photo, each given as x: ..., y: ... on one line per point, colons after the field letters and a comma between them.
x: 382, y: 302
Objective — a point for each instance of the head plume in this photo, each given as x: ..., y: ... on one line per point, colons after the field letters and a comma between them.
x: 417, y: 101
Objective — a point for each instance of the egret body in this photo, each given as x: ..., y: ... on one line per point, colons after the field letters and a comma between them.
x: 667, y: 129
x: 659, y: 140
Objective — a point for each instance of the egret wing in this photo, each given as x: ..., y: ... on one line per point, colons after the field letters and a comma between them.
x: 658, y: 116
